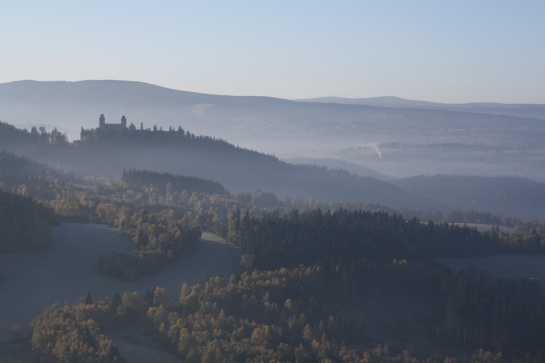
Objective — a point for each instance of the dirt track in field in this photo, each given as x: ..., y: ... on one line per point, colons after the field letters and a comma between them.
x: 67, y: 271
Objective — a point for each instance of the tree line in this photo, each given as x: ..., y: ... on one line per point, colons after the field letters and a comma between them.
x: 332, y: 237
x: 168, y: 183
x: 159, y: 137
x: 37, y: 135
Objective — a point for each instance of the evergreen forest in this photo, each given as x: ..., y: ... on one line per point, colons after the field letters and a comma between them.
x: 315, y: 281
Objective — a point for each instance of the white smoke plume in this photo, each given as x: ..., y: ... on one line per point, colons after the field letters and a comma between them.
x: 377, y: 150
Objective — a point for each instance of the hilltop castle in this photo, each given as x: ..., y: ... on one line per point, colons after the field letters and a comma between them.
x: 102, y: 125
x: 106, y: 131
x: 116, y: 132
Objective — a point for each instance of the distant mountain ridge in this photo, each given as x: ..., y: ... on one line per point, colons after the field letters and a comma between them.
x: 64, y: 104
x: 493, y: 108
x: 394, y: 141
x: 499, y: 195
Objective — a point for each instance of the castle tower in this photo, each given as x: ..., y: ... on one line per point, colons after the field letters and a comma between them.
x: 101, y: 121
x: 124, y: 122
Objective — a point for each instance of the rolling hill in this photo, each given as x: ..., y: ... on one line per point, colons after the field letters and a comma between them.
x: 238, y: 169
x: 407, y: 137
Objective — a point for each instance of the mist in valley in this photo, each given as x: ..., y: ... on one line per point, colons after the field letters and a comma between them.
x: 396, y: 142
x: 270, y: 182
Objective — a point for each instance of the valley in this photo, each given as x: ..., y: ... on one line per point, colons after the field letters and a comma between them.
x: 413, y: 139
x: 286, y: 181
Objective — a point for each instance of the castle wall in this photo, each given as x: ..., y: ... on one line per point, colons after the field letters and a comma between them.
x: 102, y: 125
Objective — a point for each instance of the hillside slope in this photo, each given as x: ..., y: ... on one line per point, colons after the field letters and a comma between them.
x: 67, y: 271
x: 236, y: 168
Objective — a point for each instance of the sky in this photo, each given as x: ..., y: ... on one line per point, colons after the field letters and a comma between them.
x: 443, y: 51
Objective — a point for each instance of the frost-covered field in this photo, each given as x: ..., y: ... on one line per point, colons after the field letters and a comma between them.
x: 67, y: 271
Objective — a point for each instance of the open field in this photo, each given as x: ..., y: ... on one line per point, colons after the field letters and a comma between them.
x: 67, y: 271
x: 485, y: 227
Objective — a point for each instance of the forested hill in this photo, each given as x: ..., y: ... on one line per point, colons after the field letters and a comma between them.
x: 24, y: 176
x: 106, y: 153
x: 177, y: 151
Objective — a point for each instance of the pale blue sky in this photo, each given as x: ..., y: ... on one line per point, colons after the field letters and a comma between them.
x: 444, y: 51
